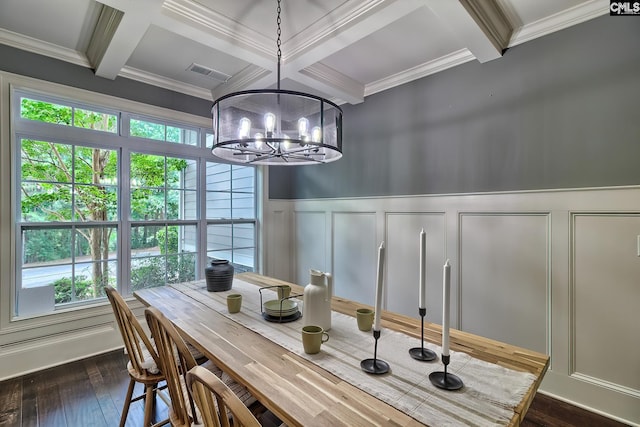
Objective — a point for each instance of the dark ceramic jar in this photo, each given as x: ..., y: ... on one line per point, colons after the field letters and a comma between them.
x: 219, y: 275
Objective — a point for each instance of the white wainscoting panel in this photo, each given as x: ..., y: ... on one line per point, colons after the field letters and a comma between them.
x: 277, y: 243
x: 310, y: 239
x: 606, y: 300
x: 403, y: 262
x: 504, y: 270
x: 355, y: 255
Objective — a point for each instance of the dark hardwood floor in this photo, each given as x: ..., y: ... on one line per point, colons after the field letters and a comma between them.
x: 90, y: 392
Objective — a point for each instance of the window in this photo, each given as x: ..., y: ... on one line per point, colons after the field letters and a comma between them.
x: 230, y: 208
x: 163, y: 200
x: 162, y: 132
x: 51, y: 112
x: 96, y: 207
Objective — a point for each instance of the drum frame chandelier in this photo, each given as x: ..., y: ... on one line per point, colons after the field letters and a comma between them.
x: 275, y: 126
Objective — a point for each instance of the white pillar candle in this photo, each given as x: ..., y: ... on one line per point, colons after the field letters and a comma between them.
x: 423, y: 269
x: 446, y: 285
x: 379, y: 282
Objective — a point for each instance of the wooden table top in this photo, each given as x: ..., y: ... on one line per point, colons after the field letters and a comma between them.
x: 305, y: 394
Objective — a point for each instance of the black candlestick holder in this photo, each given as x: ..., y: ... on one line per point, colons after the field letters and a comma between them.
x: 421, y: 353
x: 445, y: 380
x: 375, y: 365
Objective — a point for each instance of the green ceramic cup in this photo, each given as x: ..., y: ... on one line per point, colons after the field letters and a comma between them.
x: 284, y: 291
x: 234, y: 302
x: 312, y: 338
x: 364, y: 316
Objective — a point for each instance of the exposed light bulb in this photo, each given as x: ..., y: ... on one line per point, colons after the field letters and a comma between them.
x: 269, y: 124
x: 316, y: 134
x: 287, y: 143
x: 303, y: 127
x: 259, y: 142
x: 245, y: 128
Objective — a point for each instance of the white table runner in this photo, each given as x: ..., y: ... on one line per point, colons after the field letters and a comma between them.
x: 488, y: 397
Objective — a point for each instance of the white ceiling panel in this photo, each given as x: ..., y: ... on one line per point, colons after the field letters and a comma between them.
x: 67, y: 23
x: 167, y: 54
x: 406, y: 43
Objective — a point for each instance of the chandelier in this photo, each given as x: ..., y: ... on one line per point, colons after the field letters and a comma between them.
x: 276, y: 127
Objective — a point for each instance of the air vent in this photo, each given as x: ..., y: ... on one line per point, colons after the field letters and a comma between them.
x: 208, y: 72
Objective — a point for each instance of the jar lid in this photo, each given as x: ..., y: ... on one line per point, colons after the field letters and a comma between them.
x: 219, y: 261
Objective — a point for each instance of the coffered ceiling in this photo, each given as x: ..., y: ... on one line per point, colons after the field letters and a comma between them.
x: 340, y: 49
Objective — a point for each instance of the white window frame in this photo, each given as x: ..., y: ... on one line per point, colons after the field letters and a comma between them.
x: 68, y: 134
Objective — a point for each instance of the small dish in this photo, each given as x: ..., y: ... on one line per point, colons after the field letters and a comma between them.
x: 280, y: 308
x: 282, y: 319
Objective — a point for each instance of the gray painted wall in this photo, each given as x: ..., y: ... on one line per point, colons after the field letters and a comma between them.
x: 561, y: 111
x: 40, y: 67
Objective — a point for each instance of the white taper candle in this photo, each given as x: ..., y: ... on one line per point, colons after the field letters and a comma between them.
x: 446, y: 285
x: 423, y: 269
x: 379, y: 283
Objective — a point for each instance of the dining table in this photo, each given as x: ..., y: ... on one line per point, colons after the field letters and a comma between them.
x: 329, y: 388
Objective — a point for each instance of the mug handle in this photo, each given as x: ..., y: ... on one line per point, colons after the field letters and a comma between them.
x: 323, y: 335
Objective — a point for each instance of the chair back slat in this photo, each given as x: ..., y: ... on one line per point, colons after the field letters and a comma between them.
x: 216, y: 401
x: 133, y: 335
x: 175, y: 362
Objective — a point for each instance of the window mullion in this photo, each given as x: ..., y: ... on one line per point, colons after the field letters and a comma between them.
x: 124, y: 221
x: 203, y: 242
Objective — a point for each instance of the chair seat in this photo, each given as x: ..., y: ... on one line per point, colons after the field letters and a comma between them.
x: 144, y: 378
x: 238, y: 389
x: 197, y: 354
x: 149, y: 363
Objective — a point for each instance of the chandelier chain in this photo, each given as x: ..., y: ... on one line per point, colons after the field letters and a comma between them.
x: 279, y: 42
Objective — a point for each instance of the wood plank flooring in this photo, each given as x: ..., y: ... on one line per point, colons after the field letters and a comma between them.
x: 90, y: 392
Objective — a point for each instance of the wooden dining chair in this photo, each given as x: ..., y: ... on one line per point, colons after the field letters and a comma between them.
x: 175, y: 362
x: 216, y: 401
x: 144, y: 362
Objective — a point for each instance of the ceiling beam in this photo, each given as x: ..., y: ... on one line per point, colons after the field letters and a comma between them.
x: 120, y: 28
x: 479, y: 24
x: 492, y: 20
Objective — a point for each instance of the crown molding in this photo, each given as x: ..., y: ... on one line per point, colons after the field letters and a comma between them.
x: 431, y: 67
x: 164, y: 82
x: 44, y: 48
x: 219, y: 25
x: 559, y: 21
x: 348, y: 87
x: 240, y: 81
